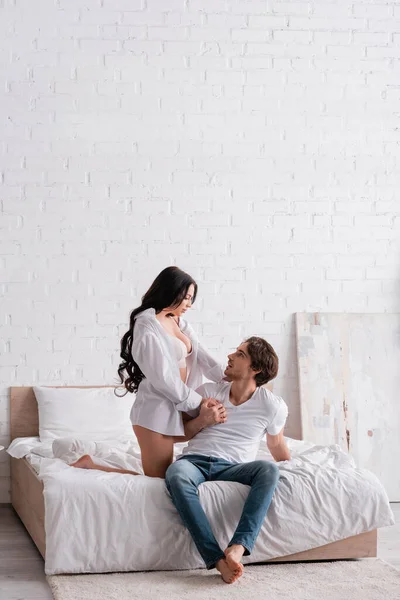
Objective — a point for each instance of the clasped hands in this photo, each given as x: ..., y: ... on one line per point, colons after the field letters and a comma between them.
x: 212, y: 412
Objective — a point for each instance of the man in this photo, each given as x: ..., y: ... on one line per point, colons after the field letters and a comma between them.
x: 226, y: 452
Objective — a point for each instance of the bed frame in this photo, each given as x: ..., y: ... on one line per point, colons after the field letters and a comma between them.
x: 27, y: 492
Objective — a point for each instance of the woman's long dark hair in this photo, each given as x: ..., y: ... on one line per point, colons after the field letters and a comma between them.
x: 168, y: 289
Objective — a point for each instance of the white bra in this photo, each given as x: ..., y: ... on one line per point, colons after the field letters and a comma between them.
x: 181, y: 351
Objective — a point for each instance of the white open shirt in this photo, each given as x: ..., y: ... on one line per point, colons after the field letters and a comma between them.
x: 163, y: 396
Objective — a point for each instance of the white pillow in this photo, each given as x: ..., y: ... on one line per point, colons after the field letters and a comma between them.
x: 93, y: 414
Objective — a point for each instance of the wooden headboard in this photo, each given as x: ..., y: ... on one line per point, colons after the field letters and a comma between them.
x: 24, y: 417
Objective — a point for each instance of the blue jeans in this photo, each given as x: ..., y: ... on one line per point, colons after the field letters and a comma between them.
x: 185, y: 475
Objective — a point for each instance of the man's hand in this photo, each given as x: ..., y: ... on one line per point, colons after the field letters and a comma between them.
x: 212, y: 412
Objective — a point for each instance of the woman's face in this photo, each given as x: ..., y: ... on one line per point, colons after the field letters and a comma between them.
x: 186, y: 303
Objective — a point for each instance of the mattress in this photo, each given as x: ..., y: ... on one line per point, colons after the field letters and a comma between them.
x: 102, y: 522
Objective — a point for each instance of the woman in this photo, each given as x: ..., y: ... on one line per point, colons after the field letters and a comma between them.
x: 163, y: 362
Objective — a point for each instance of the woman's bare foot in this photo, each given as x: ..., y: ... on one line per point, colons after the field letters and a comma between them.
x: 233, y: 556
x: 229, y: 575
x: 85, y: 462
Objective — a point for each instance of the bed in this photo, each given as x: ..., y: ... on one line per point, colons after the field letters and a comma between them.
x: 28, y: 500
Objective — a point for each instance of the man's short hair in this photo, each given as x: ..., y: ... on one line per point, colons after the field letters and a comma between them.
x: 263, y: 358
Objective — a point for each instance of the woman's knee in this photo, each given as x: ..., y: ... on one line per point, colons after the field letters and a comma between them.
x: 156, y: 451
x: 156, y: 471
x: 156, y: 465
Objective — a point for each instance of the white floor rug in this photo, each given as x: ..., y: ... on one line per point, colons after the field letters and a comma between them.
x: 367, y: 579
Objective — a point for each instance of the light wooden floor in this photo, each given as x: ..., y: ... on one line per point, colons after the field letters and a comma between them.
x: 21, y: 566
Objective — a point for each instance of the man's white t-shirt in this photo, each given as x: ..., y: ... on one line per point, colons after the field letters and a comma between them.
x: 238, y: 439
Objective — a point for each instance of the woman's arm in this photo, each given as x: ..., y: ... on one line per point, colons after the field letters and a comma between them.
x: 147, y: 352
x: 212, y: 369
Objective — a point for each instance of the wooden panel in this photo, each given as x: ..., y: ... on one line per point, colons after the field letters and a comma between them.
x: 28, y: 501
x: 363, y: 545
x: 349, y: 378
x: 24, y: 418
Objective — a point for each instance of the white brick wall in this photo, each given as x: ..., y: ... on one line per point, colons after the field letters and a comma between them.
x: 252, y: 143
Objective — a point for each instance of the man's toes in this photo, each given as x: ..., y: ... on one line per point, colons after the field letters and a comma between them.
x: 226, y: 571
x: 237, y: 574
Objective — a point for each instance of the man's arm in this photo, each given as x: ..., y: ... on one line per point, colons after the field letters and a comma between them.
x: 277, y: 446
x: 212, y: 412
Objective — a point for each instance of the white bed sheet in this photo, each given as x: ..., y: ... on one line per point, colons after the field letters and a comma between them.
x: 103, y: 522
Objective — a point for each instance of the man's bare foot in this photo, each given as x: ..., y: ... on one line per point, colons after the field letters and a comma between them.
x: 85, y: 462
x: 229, y: 575
x: 233, y: 556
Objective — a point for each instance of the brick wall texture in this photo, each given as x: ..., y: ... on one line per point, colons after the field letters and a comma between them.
x: 254, y: 144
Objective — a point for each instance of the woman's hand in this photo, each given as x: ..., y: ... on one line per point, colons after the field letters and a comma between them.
x: 212, y: 412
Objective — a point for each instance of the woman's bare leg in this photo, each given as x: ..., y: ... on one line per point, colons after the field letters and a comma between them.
x: 85, y: 462
x: 157, y: 451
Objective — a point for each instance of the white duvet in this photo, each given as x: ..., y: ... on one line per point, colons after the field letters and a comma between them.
x: 99, y: 522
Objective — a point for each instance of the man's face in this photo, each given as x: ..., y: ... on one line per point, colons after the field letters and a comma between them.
x: 239, y: 365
